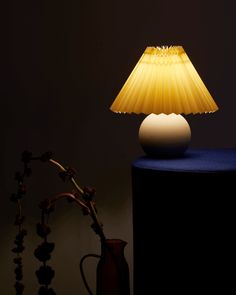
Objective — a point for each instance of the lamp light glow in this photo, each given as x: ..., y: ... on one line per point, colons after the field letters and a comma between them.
x: 164, y: 81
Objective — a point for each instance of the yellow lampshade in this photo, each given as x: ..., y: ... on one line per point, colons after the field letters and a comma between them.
x: 164, y: 81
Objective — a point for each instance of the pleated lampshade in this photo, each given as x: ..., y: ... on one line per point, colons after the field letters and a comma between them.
x: 164, y: 81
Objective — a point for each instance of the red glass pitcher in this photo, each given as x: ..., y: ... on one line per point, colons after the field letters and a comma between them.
x: 112, y: 269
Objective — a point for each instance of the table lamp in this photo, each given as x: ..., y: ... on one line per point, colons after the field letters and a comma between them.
x: 164, y: 84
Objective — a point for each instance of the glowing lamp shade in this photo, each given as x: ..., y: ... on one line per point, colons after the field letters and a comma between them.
x: 164, y: 81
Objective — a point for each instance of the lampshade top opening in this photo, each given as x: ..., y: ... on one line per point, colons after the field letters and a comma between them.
x: 164, y: 81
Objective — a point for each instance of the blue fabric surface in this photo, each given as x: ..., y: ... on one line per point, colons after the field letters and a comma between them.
x: 194, y: 160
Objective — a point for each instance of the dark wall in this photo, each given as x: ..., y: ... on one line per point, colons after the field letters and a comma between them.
x: 62, y: 64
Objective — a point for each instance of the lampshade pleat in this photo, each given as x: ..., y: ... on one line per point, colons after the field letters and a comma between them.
x: 164, y: 81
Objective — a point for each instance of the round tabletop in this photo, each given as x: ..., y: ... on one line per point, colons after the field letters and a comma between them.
x: 194, y: 161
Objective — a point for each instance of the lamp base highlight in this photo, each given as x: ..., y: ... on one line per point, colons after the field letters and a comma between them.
x: 164, y: 135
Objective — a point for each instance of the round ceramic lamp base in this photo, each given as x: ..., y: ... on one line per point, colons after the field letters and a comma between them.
x: 164, y: 135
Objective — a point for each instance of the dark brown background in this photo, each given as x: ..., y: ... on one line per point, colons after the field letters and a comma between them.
x: 62, y: 64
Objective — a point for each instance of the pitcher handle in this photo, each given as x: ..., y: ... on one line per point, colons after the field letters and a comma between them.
x: 82, y: 271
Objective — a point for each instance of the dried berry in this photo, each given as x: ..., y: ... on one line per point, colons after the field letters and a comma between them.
x: 18, y: 242
x: 67, y: 174
x: 17, y: 260
x: 21, y: 234
x: 44, y: 204
x: 43, y: 251
x: 89, y: 193
x: 21, y: 190
x: 19, y: 219
x: 27, y: 171
x: 45, y: 275
x: 18, y: 249
x: 19, y: 288
x: 46, y: 291
x: 97, y: 228
x: 18, y: 273
x: 26, y: 157
x: 18, y: 176
x: 43, y: 230
x: 46, y: 156
x: 49, y: 209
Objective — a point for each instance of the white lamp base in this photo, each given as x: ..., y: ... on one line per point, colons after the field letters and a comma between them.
x: 164, y: 135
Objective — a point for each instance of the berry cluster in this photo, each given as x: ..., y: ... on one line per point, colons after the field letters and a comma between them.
x: 43, y: 252
x: 19, y: 220
x: 45, y: 273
